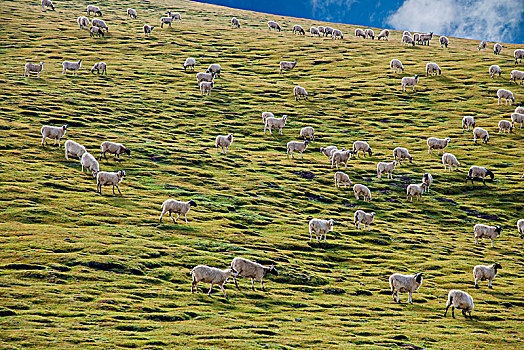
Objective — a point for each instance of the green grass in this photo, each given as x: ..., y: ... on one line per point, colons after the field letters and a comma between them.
x: 80, y: 270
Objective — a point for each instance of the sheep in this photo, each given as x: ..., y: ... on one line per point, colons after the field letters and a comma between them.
x: 517, y: 118
x: 206, y: 87
x: 519, y: 109
x: 47, y: 3
x: 402, y: 154
x: 32, y: 67
x: 416, y: 38
x: 468, y: 122
x: 95, y: 9
x: 73, y: 148
x: 486, y: 231
x: 105, y: 178
x: 53, y: 132
x: 99, y: 66
x: 190, y: 62
x: 299, y: 91
x: 212, y: 275
x: 415, y: 190
x: 329, y: 31
x: 482, y: 46
x: 520, y: 225
x: 479, y: 172
x: 369, y: 33
x: 224, y: 141
x: 505, y: 94
x: 485, y: 272
x: 493, y: 70
x: 406, y: 33
x: 338, y: 157
x: 274, y: 25
x: 328, y: 151
x: 319, y: 227
x: 338, y: 34
x: 175, y: 15
x: 132, y: 13
x: 384, y: 34
x: 431, y: 68
x: 179, y: 207
x: 148, y: 29
x: 519, y: 55
x: 83, y: 21
x: 516, y: 75
x: 396, y: 65
x: 322, y: 29
x: 113, y: 148
x: 342, y: 178
x: 427, y: 179
x: 408, y: 81
x: 426, y: 38
x: 72, y: 66
x: 405, y: 284
x: 235, y: 23
x: 166, y: 20
x: 297, y: 146
x: 266, y: 115
x: 479, y: 133
x: 201, y: 76
x: 386, y: 168
x: 361, y: 146
x: 497, y: 48
x: 297, y: 29
x: 505, y: 125
x: 287, y: 65
x: 360, y: 32
x: 89, y: 162
x: 450, y: 160
x: 250, y: 269
x: 306, y: 132
x: 272, y: 122
x: 314, y: 31
x: 444, y: 41
x: 361, y: 217
x: 96, y: 31
x: 460, y: 300
x: 438, y: 144
x: 362, y: 190
x: 214, y: 68
x: 406, y: 40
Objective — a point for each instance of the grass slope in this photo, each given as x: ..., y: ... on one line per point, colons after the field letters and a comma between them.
x: 80, y: 270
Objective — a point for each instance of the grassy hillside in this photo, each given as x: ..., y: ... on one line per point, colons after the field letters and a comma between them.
x: 81, y: 270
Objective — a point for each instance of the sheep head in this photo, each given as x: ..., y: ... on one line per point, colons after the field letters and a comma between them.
x: 370, y: 152
x: 418, y: 277
x: 497, y: 266
x: 498, y: 229
x: 272, y: 270
x: 192, y: 203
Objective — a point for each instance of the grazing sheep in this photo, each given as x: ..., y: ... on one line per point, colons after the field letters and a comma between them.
x: 505, y: 125
x: 408, y: 81
x: 431, y: 68
x: 105, y: 178
x: 299, y: 91
x: 483, y: 44
x: 319, y: 227
x: 479, y: 133
x: 360, y: 32
x: 494, y: 70
x: 266, y: 115
x: 519, y: 109
x: 407, y: 40
x: 460, y: 300
x: 297, y: 29
x: 314, y: 31
x: 113, y: 148
x: 179, y: 207
x: 212, y: 275
x: 272, y: 122
x: 405, y: 284
x: 53, y: 132
x: 517, y: 118
x: 235, y: 23
x: 132, y: 13
x: 297, y: 146
x: 47, y: 3
x: 370, y: 33
x: 406, y: 33
x: 250, y: 269
x: 402, y: 154
x: 396, y: 65
x: 89, y: 162
x: 520, y: 225
x: 416, y: 38
x: 342, y: 178
x: 329, y: 31
x: 328, y: 151
x: 479, y: 172
x: 72, y: 66
x: 306, y: 132
x: 201, y: 76
x: 427, y: 179
x: 338, y: 157
x: 516, y: 75
x: 190, y: 62
x: 485, y: 272
x: 206, y: 87
x: 287, y: 65
x: 505, y: 94
x: 83, y: 21
x: 322, y: 29
x: 148, y: 29
x: 73, y: 148
x: 32, y: 67
x: 415, y: 190
x: 96, y: 31
x: 486, y: 231
x: 99, y: 66
x: 450, y: 160
x: 274, y: 25
x: 362, y: 190
x: 175, y: 15
x: 215, y: 69
x: 338, y: 34
x: 386, y: 168
x: 100, y: 23
x: 438, y: 144
x: 497, y: 48
x: 363, y: 218
x: 224, y: 141
x: 384, y: 34
x: 95, y: 9
x: 519, y: 55
x: 468, y: 122
x: 426, y: 38
x: 166, y: 20
x: 444, y: 41
x: 361, y: 146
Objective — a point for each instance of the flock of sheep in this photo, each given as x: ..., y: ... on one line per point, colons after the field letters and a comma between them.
x: 399, y: 283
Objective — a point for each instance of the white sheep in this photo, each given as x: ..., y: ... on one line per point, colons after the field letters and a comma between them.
x: 287, y: 65
x: 497, y: 48
x: 519, y: 55
x: 438, y: 144
x: 206, y: 87
x: 486, y: 231
x: 132, y: 13
x: 224, y: 141
x: 96, y: 31
x: 485, y: 272
x: 386, y: 168
x: 272, y: 122
x: 505, y: 94
x: 274, y: 25
x: 328, y: 151
x: 339, y: 157
x: 520, y: 225
x: 148, y: 29
x: 408, y: 81
x: 47, y: 3
x: 494, y: 70
x: 83, y: 21
x: 460, y: 300
x: 400, y: 283
x: 338, y: 34
x: 517, y: 118
x: 329, y: 31
x: 297, y: 29
x: 370, y: 33
x: 214, y: 68
x: 201, y: 76
x: 444, y: 41
x: 406, y: 33
x: 505, y: 125
x: 53, y: 132
x: 99, y: 66
x: 342, y: 178
x: 190, y: 62
x: 431, y: 68
x: 361, y: 146
x: 482, y: 46
x: 322, y: 29
x: 407, y: 40
x: 166, y: 20
x: 516, y: 75
x: 73, y: 148
x: 32, y: 67
x: 113, y: 148
x: 479, y: 172
x: 416, y: 38
x: 175, y: 15
x: 360, y: 32
x: 426, y: 38
x: 362, y: 218
x: 415, y: 190
x: 308, y: 132
x: 105, y: 178
x: 250, y: 269
x: 450, y: 160
x: 519, y: 109
x: 427, y: 179
x: 179, y: 207
x: 314, y: 31
x: 402, y: 154
x: 212, y: 275
x: 299, y: 91
x: 89, y: 162
x: 362, y: 190
x: 266, y: 115
x: 396, y: 65
x: 95, y: 9
x: 235, y: 23
x: 297, y: 146
x: 468, y: 122
x: 320, y: 227
x: 72, y: 66
x: 100, y: 23
x: 480, y: 133
x: 383, y: 34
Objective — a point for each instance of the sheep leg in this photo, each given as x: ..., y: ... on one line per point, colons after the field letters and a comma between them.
x: 211, y: 288
x: 410, y: 298
x: 476, y: 283
x: 171, y: 216
x: 492, y: 243
x: 447, y: 307
x: 235, y: 280
x: 113, y: 189
x: 223, y: 291
x: 43, y: 141
x: 185, y: 218
x: 262, y: 284
x: 490, y: 284
x: 398, y: 297
x: 253, y: 284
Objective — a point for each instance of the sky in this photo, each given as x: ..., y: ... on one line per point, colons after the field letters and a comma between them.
x: 491, y: 20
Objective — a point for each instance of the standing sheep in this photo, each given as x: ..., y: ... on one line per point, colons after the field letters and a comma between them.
x: 224, y: 141
x: 384, y: 34
x: 201, y: 76
x: 408, y: 81
x: 314, y: 31
x: 272, y: 122
x: 338, y: 157
x: 175, y: 15
x: 405, y: 284
x: 274, y: 25
x: 516, y: 75
x: 517, y: 118
x: 363, y: 218
x: 83, y: 21
x: 95, y: 9
x: 72, y: 66
x: 328, y: 151
x: 206, y: 87
x: 179, y: 207
x: 105, y: 178
x: 53, y: 132
x: 338, y: 34
x: 190, y: 62
x: 431, y: 68
x: 99, y: 66
x: 166, y: 20
x: 485, y: 272
x: 266, y: 115
x: 296, y: 146
x: 32, y: 67
x: 215, y: 69
x: 505, y: 94
x: 212, y: 275
x: 113, y: 148
x: 148, y: 29
x: 438, y: 144
x: 299, y: 91
x: 100, y: 23
x: 342, y: 178
x: 483, y: 44
x: 73, y: 148
x: 519, y: 55
x: 320, y: 227
x: 235, y: 23
x: 444, y: 41
x: 486, y: 231
x: 450, y: 160
x: 89, y: 162
x: 479, y: 133
x: 361, y: 146
x: 322, y: 29
x: 396, y: 65
x: 297, y: 29
x: 362, y: 190
x: 96, y: 32
x: 460, y: 300
x: 407, y: 40
x: 386, y: 168
x: 360, y: 32
x: 47, y: 3
x: 427, y: 179
x: 497, y: 48
x: 505, y: 125
x: 132, y: 13
x: 402, y: 154
x: 415, y: 190
x: 370, y: 33
x: 519, y: 109
x: 287, y: 65
x: 468, y: 122
x: 250, y: 269
x: 308, y: 132
x: 494, y: 70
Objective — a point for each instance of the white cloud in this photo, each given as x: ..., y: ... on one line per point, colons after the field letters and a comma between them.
x: 493, y: 20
